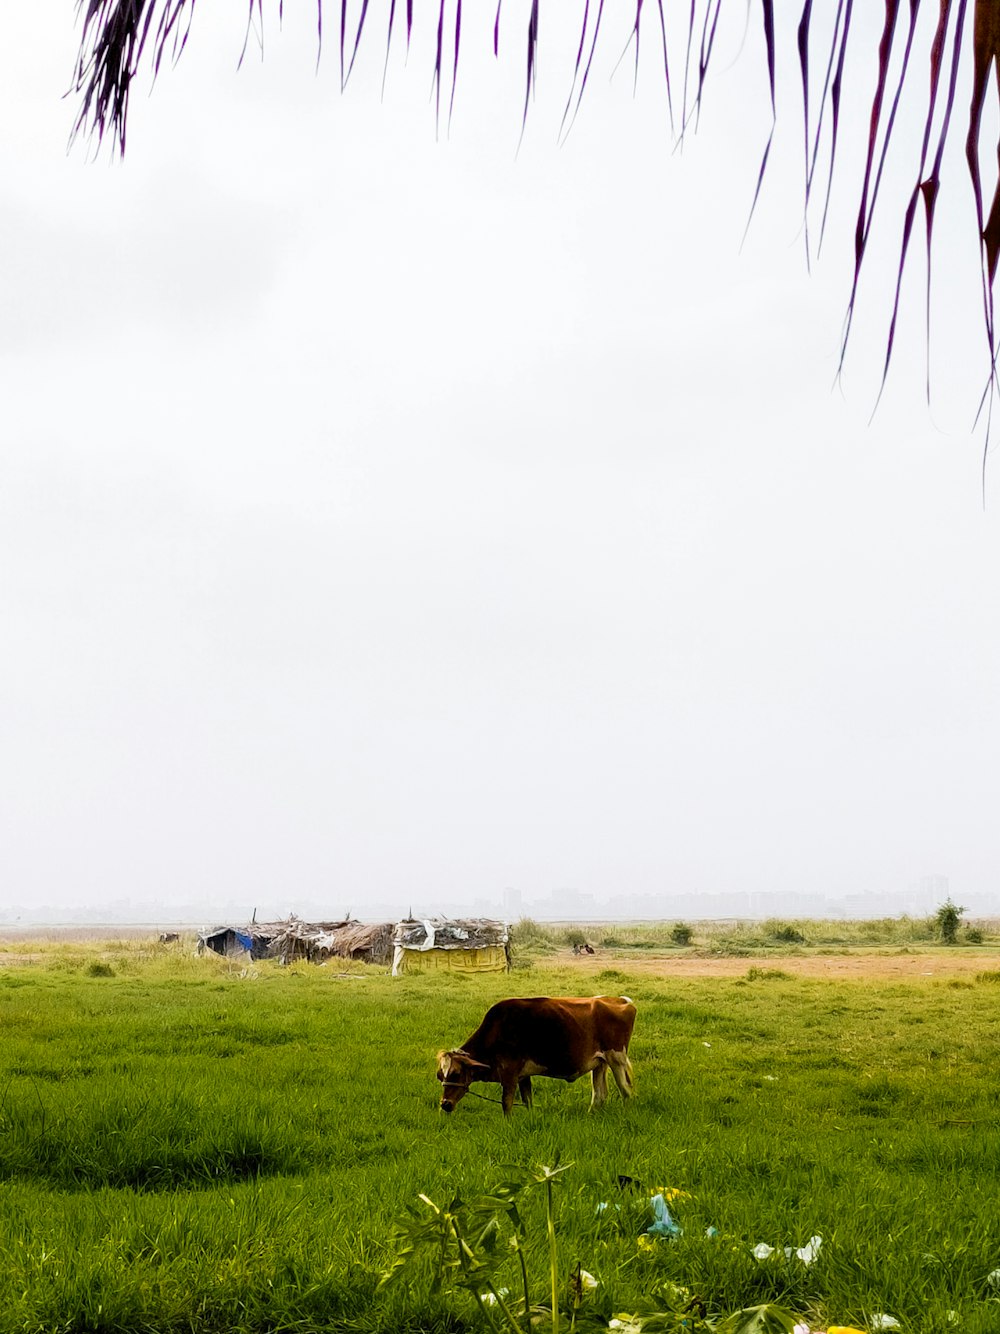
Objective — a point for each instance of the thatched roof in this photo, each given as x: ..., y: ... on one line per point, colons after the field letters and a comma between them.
x: 361, y: 940
x: 295, y: 939
x: 454, y: 933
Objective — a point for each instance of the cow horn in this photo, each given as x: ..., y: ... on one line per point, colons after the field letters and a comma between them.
x: 464, y: 1058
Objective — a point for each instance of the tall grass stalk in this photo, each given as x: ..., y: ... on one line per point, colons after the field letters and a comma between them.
x: 550, y: 1216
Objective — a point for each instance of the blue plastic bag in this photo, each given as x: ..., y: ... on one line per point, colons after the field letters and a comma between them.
x: 663, y: 1225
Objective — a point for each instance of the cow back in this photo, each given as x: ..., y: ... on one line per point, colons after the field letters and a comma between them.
x: 560, y: 1034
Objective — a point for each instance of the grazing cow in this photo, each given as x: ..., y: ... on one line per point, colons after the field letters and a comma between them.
x: 562, y: 1037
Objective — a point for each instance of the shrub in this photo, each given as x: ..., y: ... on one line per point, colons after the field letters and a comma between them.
x: 574, y: 936
x: 681, y: 933
x: 973, y: 935
x: 785, y: 932
x: 529, y: 936
x: 948, y: 919
x: 100, y: 970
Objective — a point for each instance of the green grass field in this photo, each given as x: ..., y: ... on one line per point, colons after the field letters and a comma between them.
x: 188, y: 1145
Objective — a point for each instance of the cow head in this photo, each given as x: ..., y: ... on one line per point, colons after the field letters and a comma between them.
x: 456, y: 1071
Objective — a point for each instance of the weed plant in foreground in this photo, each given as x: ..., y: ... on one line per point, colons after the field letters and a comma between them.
x: 189, y: 1146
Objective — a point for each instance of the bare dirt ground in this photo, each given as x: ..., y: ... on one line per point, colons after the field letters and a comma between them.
x: 882, y: 965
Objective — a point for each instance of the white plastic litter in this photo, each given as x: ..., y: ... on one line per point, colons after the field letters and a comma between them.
x: 807, y: 1253
x: 587, y: 1281
x: 993, y: 1278
x: 881, y: 1321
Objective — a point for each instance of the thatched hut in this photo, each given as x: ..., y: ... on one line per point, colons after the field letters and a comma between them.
x: 369, y: 942
x: 441, y: 944
x: 229, y: 941
x: 295, y: 939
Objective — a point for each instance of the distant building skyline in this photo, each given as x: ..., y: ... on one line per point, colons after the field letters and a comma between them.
x: 921, y: 898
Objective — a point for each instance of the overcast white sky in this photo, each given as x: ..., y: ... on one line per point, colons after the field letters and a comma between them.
x: 392, y: 519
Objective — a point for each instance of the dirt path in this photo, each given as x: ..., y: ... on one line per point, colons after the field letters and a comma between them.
x: 873, y: 964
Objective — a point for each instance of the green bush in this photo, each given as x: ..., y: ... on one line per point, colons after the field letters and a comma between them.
x: 530, y: 937
x: 949, y: 918
x: 784, y: 932
x: 681, y: 933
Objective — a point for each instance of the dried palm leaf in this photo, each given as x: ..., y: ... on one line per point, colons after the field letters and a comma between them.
x: 118, y: 36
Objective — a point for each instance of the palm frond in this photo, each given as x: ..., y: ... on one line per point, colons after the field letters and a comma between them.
x: 120, y: 36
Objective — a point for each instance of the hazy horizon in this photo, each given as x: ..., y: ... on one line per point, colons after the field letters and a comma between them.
x: 920, y: 900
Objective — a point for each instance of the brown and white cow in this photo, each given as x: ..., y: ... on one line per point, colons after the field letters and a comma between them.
x: 561, y: 1037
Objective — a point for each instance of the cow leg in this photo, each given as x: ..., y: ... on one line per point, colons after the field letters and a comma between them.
x: 621, y: 1068
x: 524, y: 1088
x: 600, y: 1078
x: 509, y: 1087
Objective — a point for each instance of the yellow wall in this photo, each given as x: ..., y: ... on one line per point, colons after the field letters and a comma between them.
x: 491, y: 959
